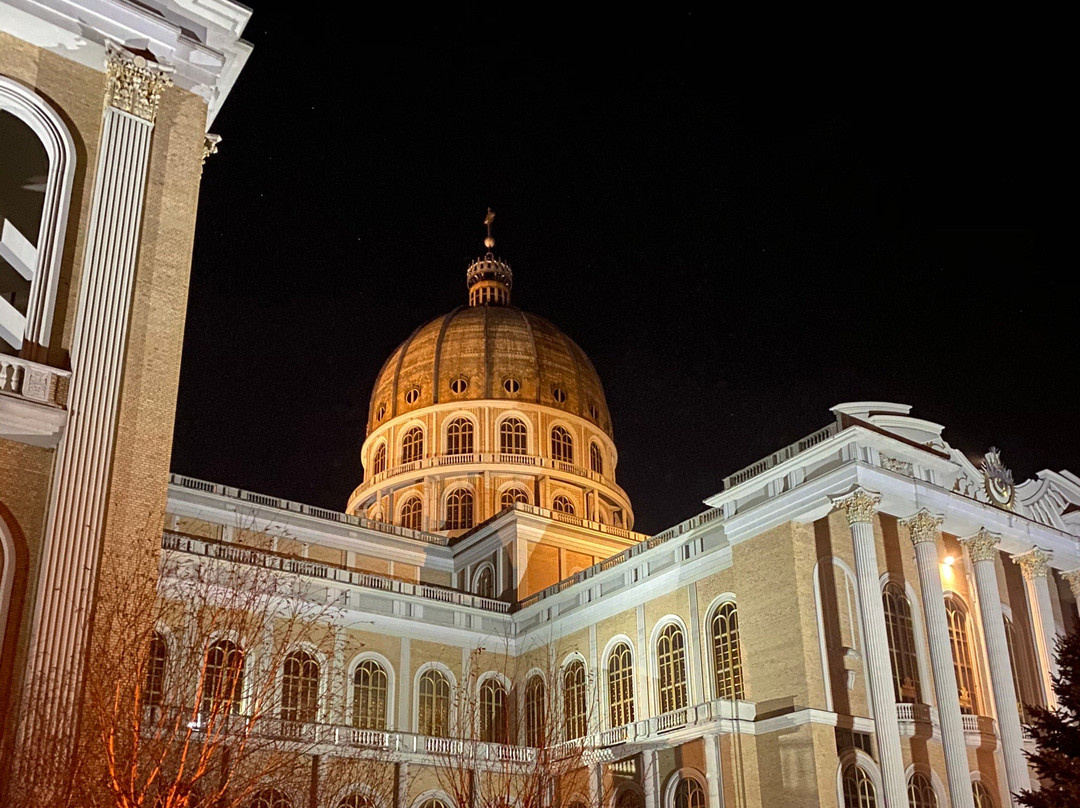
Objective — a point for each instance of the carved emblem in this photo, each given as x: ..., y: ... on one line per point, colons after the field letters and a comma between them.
x: 998, y: 480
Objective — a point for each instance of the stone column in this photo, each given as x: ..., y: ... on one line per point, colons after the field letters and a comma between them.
x: 859, y: 507
x: 982, y: 550
x: 1073, y: 580
x: 1034, y: 564
x: 650, y: 778
x: 923, y: 530
x: 712, y: 768
x: 73, y: 533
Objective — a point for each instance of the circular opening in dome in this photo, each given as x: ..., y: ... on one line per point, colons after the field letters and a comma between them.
x: 412, y: 395
x: 511, y: 385
x: 559, y: 394
x: 459, y: 385
x: 380, y: 413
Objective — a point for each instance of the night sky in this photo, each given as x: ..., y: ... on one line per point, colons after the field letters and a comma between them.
x: 735, y: 254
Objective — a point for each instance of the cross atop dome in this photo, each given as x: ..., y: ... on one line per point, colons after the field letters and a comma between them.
x: 489, y: 280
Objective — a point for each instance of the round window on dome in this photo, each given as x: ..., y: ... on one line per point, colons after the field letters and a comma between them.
x: 511, y: 385
x: 559, y: 394
x: 459, y: 385
x: 412, y: 395
x: 380, y: 413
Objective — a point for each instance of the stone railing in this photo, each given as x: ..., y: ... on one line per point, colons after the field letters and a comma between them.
x: 240, y: 554
x: 913, y: 712
x: 34, y: 382
x: 778, y: 457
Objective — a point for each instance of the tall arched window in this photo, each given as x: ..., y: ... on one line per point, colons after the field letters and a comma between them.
x: 620, y: 672
x: 727, y: 657
x: 961, y: 653
x: 689, y: 794
x: 512, y: 495
x: 574, y: 704
x: 671, y: 668
x: 536, y: 712
x: 562, y: 445
x: 223, y: 686
x: 494, y: 715
x: 412, y: 513
x: 1022, y: 677
x: 412, y: 445
x: 270, y: 798
x: 370, y: 695
x: 434, y: 704
x: 459, y: 437
x: 459, y: 509
x: 484, y: 585
x: 156, y: 659
x: 562, y: 504
x: 920, y: 793
x: 901, y: 631
x: 513, y: 436
x: 596, y: 458
x: 300, y: 687
x: 981, y: 795
x: 378, y: 464
x: 858, y: 788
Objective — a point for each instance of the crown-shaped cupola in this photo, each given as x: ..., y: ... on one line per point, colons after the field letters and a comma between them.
x: 489, y: 279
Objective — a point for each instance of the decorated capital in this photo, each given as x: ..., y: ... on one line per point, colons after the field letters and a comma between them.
x: 134, y: 83
x: 983, y: 546
x: 1073, y: 579
x: 923, y: 526
x: 210, y: 145
x: 859, y: 506
x: 1034, y: 563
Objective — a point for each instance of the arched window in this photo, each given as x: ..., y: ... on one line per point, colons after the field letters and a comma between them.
x: 434, y: 704
x: 512, y: 495
x: 223, y: 686
x: 920, y: 793
x: 412, y: 513
x: 671, y: 667
x: 536, y: 712
x: 370, y: 694
x: 961, y: 653
x: 562, y: 445
x: 412, y: 445
x: 1022, y: 678
x: 156, y: 659
x: 378, y: 464
x: 574, y: 705
x: 727, y: 658
x: 494, y: 715
x: 270, y: 798
x: 513, y: 436
x: 484, y: 585
x: 596, y: 458
x: 459, y: 509
x: 356, y: 801
x: 620, y: 672
x: 689, y: 794
x: 981, y: 795
x: 858, y: 788
x: 434, y: 802
x: 901, y: 631
x: 300, y: 687
x: 629, y: 799
x: 562, y: 504
x: 459, y: 437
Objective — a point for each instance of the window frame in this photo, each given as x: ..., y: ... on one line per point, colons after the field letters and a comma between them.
x: 351, y: 707
x: 561, y: 441
x: 412, y: 449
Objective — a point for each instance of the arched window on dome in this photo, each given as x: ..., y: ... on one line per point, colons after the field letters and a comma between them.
x: 620, y: 675
x: 961, y: 653
x: 459, y: 509
x: 671, y: 668
x: 901, y: 632
x: 596, y: 458
x: 412, y: 445
x: 920, y: 792
x: 300, y: 688
x: 370, y: 695
x: 727, y: 657
x: 412, y: 513
x: 562, y: 504
x: 512, y: 495
x: 574, y: 702
x: 513, y: 437
x: 156, y: 662
x: 223, y: 686
x: 494, y: 712
x: 434, y: 704
x: 378, y: 463
x: 459, y: 437
x: 562, y: 445
x: 536, y: 712
x: 858, y: 788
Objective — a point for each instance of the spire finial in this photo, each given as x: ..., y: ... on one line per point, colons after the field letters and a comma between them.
x: 489, y: 242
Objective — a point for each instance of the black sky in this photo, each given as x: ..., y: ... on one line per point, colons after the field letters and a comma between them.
x: 736, y: 254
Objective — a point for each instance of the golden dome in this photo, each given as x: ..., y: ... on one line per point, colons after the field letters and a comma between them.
x: 488, y: 352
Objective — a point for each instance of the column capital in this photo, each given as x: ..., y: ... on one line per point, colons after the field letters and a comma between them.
x: 983, y: 546
x: 1073, y: 579
x: 923, y: 526
x: 133, y: 82
x: 859, y: 505
x: 1034, y: 563
x: 210, y: 145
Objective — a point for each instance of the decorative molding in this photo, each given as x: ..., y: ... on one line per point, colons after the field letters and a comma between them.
x: 899, y: 466
x: 1073, y: 579
x: 997, y: 480
x: 923, y: 526
x: 1034, y: 563
x: 983, y: 546
x: 210, y: 146
x: 859, y: 506
x: 134, y: 83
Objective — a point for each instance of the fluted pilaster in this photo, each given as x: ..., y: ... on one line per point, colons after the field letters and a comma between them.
x: 1035, y: 566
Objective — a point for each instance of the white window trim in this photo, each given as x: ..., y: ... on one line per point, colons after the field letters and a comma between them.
x: 867, y: 764
x: 322, y: 708
x: 604, y: 687
x: 654, y: 667
x: 707, y: 643
x: 391, y: 689
x: 475, y: 582
x: 433, y: 794
x: 919, y: 629
x: 935, y: 781
x: 677, y: 777
x: 449, y: 674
